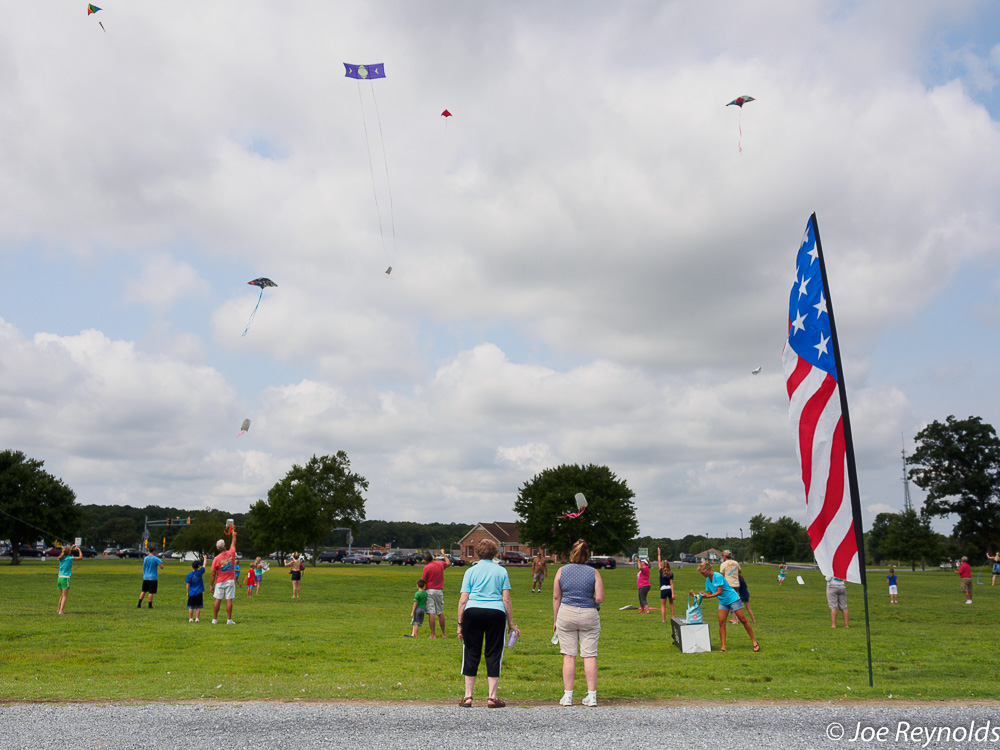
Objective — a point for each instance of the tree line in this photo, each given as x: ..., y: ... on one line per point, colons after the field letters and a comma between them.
x: 956, y: 462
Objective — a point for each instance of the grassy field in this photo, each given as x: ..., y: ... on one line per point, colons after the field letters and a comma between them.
x: 344, y: 640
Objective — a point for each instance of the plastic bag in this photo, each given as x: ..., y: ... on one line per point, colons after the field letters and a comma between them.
x: 693, y: 615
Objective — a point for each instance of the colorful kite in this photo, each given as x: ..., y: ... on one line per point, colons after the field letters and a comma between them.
x: 91, y: 10
x: 739, y: 101
x: 370, y: 73
x: 263, y: 283
x: 581, y: 505
x: 244, y: 428
x: 446, y: 113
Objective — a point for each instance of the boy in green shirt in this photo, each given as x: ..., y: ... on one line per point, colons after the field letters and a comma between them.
x: 419, y: 607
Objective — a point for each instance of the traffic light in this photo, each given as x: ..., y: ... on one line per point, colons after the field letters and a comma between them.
x: 189, y: 521
x: 168, y: 522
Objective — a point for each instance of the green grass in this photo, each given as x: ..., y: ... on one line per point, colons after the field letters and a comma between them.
x: 344, y: 640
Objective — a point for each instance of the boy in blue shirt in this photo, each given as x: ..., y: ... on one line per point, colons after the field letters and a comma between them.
x: 196, y: 589
x: 150, y: 567
x: 893, y: 586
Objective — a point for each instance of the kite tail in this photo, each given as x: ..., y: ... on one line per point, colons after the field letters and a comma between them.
x: 251, y: 318
x: 244, y: 431
x: 741, y: 130
x: 371, y: 168
x: 385, y: 161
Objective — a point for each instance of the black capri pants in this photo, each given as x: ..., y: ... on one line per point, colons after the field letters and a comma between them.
x: 481, y: 627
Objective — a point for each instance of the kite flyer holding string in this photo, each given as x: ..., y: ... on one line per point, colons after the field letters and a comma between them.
x: 224, y: 578
x: 69, y: 553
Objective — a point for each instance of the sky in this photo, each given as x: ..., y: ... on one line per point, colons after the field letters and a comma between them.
x: 588, y: 258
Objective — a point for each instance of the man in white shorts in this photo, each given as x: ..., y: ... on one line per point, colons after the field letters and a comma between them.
x: 224, y: 579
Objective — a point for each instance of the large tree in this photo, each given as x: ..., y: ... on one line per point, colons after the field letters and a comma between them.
x: 910, y: 539
x: 608, y: 524
x: 958, y: 464
x: 302, y: 508
x: 33, y: 503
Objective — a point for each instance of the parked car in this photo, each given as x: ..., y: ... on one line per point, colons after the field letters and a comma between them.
x: 88, y: 551
x: 356, y: 560
x: 110, y: 552
x: 53, y: 552
x: 602, y: 561
x: 514, y: 558
x: 455, y: 560
x: 131, y: 552
x: 400, y: 558
x: 377, y: 559
x: 27, y: 550
x: 332, y: 555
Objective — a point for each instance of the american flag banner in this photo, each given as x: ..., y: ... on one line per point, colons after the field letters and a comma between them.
x: 818, y: 415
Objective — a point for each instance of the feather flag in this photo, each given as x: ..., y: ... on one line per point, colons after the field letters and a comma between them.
x: 818, y: 414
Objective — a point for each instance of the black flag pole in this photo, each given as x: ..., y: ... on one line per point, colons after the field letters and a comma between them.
x: 852, y: 469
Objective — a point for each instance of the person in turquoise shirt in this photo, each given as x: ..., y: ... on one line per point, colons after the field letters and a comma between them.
x: 70, y: 552
x: 716, y: 587
x: 484, y: 612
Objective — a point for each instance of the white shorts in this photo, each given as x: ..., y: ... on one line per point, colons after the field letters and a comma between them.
x: 225, y: 590
x: 893, y: 590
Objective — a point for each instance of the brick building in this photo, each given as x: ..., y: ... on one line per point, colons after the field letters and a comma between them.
x: 503, y: 533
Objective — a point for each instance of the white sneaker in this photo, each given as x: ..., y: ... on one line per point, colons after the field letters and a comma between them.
x: 230, y: 622
x: 190, y: 619
x: 968, y: 601
x: 215, y: 622
x: 566, y: 700
x: 589, y: 700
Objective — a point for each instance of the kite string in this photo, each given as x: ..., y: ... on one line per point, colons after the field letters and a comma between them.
x: 385, y: 161
x: 371, y: 166
x: 21, y: 520
x: 254, y: 312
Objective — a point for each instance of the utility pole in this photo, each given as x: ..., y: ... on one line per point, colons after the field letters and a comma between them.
x: 907, y: 502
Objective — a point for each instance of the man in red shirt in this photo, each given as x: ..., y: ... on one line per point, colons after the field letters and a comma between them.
x: 224, y: 579
x: 434, y: 576
x: 965, y: 575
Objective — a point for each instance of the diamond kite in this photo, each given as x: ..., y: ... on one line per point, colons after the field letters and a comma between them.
x: 263, y: 282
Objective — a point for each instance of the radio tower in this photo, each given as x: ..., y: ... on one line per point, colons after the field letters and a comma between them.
x: 907, y: 502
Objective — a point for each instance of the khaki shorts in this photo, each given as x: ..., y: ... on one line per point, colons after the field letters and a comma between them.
x: 435, y: 602
x: 225, y: 590
x: 836, y: 597
x: 967, y: 586
x: 578, y: 629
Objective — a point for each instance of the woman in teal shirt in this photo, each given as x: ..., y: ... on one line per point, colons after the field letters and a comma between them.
x: 716, y: 586
x: 70, y: 552
x: 484, y: 609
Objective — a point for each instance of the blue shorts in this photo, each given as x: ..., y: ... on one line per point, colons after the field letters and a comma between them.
x: 732, y: 607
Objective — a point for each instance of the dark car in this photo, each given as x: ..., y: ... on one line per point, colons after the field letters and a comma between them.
x: 455, y: 560
x: 515, y: 558
x: 356, y: 560
x: 131, y: 552
x: 400, y: 558
x: 88, y: 551
x: 26, y: 550
x: 332, y: 555
x: 602, y: 561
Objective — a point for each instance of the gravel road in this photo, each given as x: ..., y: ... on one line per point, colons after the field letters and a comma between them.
x: 79, y: 726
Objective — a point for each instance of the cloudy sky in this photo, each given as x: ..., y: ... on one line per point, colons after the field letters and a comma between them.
x: 585, y: 266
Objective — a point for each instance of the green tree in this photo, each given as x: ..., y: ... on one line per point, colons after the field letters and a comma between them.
x: 875, y: 538
x: 958, y: 464
x: 119, y: 531
x: 608, y: 524
x: 307, y: 503
x: 33, y: 503
x: 910, y: 539
x: 207, y: 527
